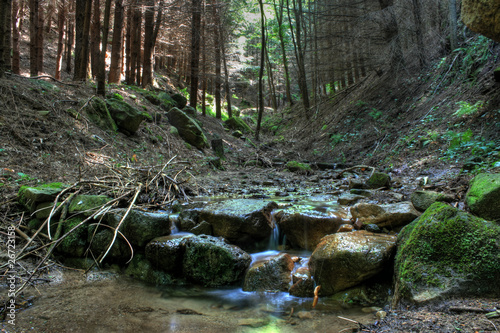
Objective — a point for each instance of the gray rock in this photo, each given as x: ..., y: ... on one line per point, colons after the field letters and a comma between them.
x: 166, y: 253
x: 390, y: 215
x: 422, y: 200
x: 348, y: 199
x: 378, y: 180
x: 344, y: 260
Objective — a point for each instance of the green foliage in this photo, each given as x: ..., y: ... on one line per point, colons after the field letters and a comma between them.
x: 375, y: 114
x: 467, y: 109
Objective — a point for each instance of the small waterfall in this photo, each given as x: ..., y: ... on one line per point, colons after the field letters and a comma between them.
x: 274, y: 239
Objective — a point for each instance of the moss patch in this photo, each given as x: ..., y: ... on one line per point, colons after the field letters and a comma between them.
x: 295, y: 166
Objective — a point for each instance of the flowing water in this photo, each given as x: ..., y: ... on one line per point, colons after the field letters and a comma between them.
x: 109, y: 302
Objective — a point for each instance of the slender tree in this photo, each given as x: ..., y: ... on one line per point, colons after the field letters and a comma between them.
x: 261, y: 69
x: 3, y: 44
x: 195, y: 50
x: 217, y: 45
x: 16, y: 21
x: 151, y: 29
x: 82, y: 20
x: 61, y: 18
x: 7, y: 35
x: 95, y: 38
x: 34, y: 4
x: 70, y: 37
x: 452, y: 5
x: 116, y: 49
x: 101, y: 76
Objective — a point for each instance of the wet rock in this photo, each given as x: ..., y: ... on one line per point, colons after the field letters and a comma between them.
x: 188, y: 128
x: 270, y: 275
x: 303, y: 284
x: 390, y: 215
x: 344, y: 260
x: 357, y: 183
x: 254, y: 322
x: 346, y: 228
x: 348, y: 199
x: 140, y: 227
x: 166, y: 253
x: 378, y: 180
x: 373, y: 228
x: 212, y: 262
x: 361, y: 191
x: 483, y: 197
x: 30, y: 197
x: 447, y: 252
x: 204, y: 228
x: 357, y: 295
x: 422, y: 200
x: 243, y: 222
x: 304, y: 229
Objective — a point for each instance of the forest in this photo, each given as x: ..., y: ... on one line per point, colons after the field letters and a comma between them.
x: 249, y: 165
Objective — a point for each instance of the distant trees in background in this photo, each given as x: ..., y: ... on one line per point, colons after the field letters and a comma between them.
x: 297, y: 49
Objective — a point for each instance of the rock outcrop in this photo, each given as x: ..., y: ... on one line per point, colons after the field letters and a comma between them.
x: 483, y: 197
x: 482, y: 17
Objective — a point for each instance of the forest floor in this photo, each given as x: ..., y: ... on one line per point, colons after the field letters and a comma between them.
x: 402, y: 125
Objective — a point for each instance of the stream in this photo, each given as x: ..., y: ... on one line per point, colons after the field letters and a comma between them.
x: 107, y: 301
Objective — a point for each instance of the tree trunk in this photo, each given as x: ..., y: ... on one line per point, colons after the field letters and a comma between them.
x: 453, y: 24
x: 116, y: 50
x: 70, y: 36
x: 82, y: 21
x: 6, y: 33
x: 101, y: 76
x: 149, y: 42
x: 261, y: 69
x: 417, y: 14
x: 61, y: 16
x: 16, y: 57
x: 34, y: 4
x: 95, y: 38
x: 128, y: 41
x: 226, y: 82
x: 138, y: 44
x: 3, y: 41
x: 217, y: 44
x: 195, y: 51
x: 281, y: 34
x: 39, y: 41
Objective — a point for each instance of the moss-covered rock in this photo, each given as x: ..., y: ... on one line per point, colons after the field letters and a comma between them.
x: 30, y: 197
x: 127, y: 118
x: 98, y: 113
x: 483, y: 197
x: 238, y: 124
x: 298, y: 167
x: 212, y: 262
x: 166, y: 101
x: 75, y: 244
x: 189, y: 130
x: 422, y: 200
x: 378, y: 180
x: 141, y: 269
x: 101, y: 239
x: 87, y: 203
x: 180, y: 100
x: 43, y: 210
x: 482, y: 17
x: 447, y: 252
x: 166, y: 253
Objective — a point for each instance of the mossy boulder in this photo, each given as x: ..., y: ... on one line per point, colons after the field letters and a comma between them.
x: 75, y: 244
x: 101, y: 239
x: 238, y: 124
x: 188, y: 128
x: 483, y: 197
x: 127, y: 118
x: 298, y: 167
x: 273, y: 274
x: 378, y: 180
x: 140, y: 227
x: 343, y: 260
x: 141, y: 269
x: 166, y: 253
x: 447, y: 252
x: 87, y: 203
x: 166, y: 101
x: 44, y: 209
x: 180, y: 100
x: 482, y: 17
x: 30, y: 197
x: 98, y: 112
x: 422, y: 200
x: 212, y: 262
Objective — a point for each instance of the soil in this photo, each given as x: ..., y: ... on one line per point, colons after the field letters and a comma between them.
x: 40, y: 142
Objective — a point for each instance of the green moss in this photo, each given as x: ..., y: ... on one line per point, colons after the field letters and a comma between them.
x: 30, y: 197
x: 75, y: 244
x: 98, y: 113
x: 236, y: 123
x: 295, y: 166
x: 141, y: 269
x: 443, y: 243
x: 484, y: 194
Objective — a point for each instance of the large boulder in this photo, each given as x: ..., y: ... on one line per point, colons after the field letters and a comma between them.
x: 212, y: 262
x: 483, y: 197
x: 140, y: 227
x: 127, y: 118
x: 447, y: 252
x: 99, y: 114
x: 141, y: 269
x: 378, y: 180
x: 273, y: 274
x: 344, y: 260
x: 483, y: 17
x: 238, y: 124
x: 244, y: 222
x: 390, y: 215
x: 305, y: 229
x: 166, y: 253
x: 188, y: 128
x: 87, y: 203
x: 422, y: 200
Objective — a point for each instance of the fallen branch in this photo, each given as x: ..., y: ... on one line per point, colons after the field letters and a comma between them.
x: 356, y: 167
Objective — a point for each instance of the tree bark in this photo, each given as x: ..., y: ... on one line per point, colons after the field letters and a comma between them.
x: 281, y: 34
x: 101, y: 76
x: 150, y: 33
x: 61, y: 17
x: 16, y: 56
x: 70, y: 37
x: 217, y: 44
x: 6, y: 33
x: 195, y: 51
x: 116, y: 50
x: 82, y: 21
x: 261, y: 69
x: 39, y: 41
x: 95, y: 38
x: 452, y: 4
x: 3, y: 44
x: 34, y: 4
